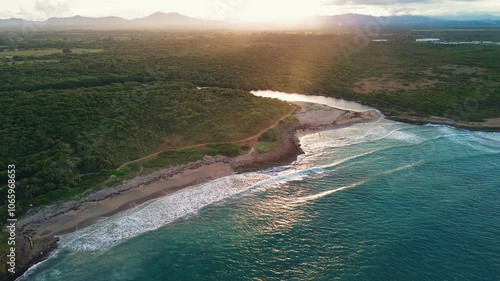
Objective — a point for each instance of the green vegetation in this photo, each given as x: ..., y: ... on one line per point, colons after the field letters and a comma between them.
x: 36, y: 52
x: 173, y: 157
x: 54, y: 136
x: 159, y: 161
x: 411, y: 78
x: 264, y: 146
x: 41, y: 55
x: 4, y: 246
x: 186, y: 155
x: 47, y: 51
x: 270, y: 135
x: 273, y: 138
x: 267, y: 141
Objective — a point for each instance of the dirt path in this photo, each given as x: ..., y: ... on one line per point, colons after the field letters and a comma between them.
x: 253, y: 137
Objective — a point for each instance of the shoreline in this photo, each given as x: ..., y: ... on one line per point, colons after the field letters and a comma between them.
x: 488, y: 125
x: 50, y: 221
x: 493, y: 126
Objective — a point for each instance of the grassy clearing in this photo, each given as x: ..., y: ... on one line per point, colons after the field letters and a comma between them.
x: 267, y: 141
x: 47, y: 52
x: 274, y: 138
x: 86, y: 51
x: 36, y: 53
x: 264, y: 146
x: 171, y: 158
x: 184, y: 156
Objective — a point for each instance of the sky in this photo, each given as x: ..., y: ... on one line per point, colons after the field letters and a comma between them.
x: 245, y: 10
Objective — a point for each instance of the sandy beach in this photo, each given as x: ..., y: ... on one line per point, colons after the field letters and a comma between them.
x: 315, y: 116
x: 37, y: 231
x: 89, y: 212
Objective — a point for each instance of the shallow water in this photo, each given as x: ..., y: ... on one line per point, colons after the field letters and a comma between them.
x: 334, y: 102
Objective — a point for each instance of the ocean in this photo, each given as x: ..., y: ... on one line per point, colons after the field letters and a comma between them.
x: 373, y: 201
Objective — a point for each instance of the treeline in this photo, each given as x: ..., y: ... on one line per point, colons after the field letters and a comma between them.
x: 324, y: 64
x: 54, y: 136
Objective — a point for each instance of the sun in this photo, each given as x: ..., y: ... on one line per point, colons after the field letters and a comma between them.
x: 277, y: 10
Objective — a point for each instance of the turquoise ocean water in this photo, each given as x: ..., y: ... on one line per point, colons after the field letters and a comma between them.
x: 375, y: 201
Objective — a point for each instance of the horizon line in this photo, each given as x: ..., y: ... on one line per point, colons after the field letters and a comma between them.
x: 270, y: 20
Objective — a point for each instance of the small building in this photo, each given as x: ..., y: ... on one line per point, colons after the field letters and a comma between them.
x: 428, y: 40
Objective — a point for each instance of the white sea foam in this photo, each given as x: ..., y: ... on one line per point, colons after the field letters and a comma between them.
x: 356, y: 184
x: 405, y: 137
x: 153, y: 214
x: 327, y: 192
x: 352, y: 135
x: 34, y: 267
x: 491, y: 136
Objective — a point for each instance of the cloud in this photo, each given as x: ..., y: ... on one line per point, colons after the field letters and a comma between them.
x: 6, y: 15
x: 52, y: 8
x: 44, y: 9
x: 414, y: 7
x: 385, y: 2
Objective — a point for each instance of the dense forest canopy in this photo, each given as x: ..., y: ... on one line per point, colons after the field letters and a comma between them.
x: 54, y: 136
x: 399, y: 76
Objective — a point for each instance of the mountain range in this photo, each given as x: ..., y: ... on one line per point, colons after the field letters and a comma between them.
x: 162, y: 20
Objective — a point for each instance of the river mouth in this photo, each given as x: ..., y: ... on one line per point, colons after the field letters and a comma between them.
x: 333, y: 102
x: 372, y: 201
x: 132, y: 222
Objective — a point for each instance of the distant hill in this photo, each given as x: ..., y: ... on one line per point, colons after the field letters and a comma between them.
x: 156, y: 20
x: 163, y: 19
x: 480, y: 17
x: 82, y: 22
x: 394, y: 21
x: 176, y: 20
x: 12, y: 22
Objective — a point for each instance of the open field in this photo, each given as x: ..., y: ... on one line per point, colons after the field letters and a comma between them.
x: 46, y: 52
x: 39, y: 52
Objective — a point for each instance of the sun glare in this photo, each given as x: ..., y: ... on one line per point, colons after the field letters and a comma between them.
x: 274, y: 11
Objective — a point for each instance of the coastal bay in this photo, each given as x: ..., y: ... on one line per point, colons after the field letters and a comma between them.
x: 361, y: 196
x: 72, y: 216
